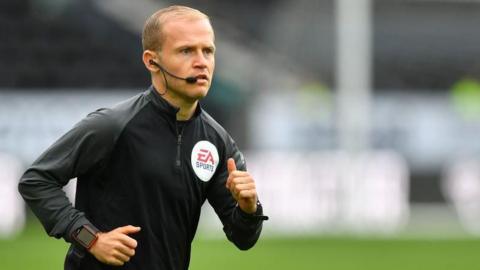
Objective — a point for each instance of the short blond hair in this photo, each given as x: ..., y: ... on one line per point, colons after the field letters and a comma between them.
x: 152, y: 35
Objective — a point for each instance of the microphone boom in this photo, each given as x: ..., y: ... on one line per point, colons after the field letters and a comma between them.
x: 189, y: 80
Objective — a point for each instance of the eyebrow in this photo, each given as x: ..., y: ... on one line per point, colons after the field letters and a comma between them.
x: 187, y: 46
x: 213, y: 48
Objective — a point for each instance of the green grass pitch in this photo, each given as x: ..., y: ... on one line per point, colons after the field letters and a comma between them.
x: 34, y: 250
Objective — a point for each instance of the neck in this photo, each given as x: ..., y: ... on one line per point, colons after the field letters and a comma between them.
x: 186, y: 109
x: 187, y: 106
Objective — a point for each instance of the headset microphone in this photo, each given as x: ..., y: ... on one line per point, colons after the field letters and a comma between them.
x: 189, y: 80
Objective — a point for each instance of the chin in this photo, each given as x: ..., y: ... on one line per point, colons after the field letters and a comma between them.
x: 198, y: 93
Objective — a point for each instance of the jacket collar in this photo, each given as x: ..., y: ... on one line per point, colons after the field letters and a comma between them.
x: 164, y: 106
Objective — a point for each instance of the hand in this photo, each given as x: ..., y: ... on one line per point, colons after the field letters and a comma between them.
x: 115, y: 247
x: 242, y: 187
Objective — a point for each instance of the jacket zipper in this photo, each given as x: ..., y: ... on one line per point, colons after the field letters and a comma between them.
x: 178, y: 161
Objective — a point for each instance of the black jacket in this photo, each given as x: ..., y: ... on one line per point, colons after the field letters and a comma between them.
x: 136, y: 165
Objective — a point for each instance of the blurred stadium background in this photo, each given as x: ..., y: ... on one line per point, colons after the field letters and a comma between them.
x: 359, y: 120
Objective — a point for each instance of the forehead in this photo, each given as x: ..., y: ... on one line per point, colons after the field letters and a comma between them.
x: 180, y: 31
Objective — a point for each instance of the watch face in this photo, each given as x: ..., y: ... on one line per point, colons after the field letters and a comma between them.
x: 85, y: 237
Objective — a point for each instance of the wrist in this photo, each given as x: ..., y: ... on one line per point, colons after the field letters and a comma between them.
x: 86, y: 236
x: 248, y: 210
x: 256, y: 215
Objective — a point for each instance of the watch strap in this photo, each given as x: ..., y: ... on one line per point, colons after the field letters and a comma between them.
x: 85, y: 236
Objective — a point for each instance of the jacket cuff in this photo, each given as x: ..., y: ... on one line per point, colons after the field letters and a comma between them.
x: 75, y: 226
x: 251, y: 220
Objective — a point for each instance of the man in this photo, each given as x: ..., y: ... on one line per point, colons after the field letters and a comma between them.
x: 146, y: 166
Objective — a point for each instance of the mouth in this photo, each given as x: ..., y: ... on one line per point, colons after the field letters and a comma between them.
x: 202, y: 77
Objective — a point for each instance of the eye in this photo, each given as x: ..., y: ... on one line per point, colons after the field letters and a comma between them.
x: 208, y: 51
x: 185, y: 51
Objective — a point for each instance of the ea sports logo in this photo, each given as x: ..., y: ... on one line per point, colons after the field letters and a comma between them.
x: 205, y: 156
x: 204, y: 160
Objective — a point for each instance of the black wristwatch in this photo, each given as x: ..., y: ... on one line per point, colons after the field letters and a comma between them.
x: 86, y: 236
x: 258, y: 215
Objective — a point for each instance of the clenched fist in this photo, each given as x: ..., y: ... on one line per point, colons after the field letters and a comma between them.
x: 115, y: 247
x: 242, y: 187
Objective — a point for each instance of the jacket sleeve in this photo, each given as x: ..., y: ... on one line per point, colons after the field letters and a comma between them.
x: 76, y: 153
x: 240, y: 228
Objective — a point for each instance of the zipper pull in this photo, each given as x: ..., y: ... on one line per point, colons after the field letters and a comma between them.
x: 179, y: 139
x: 179, y: 143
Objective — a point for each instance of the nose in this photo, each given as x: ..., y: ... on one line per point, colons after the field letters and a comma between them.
x: 200, y: 61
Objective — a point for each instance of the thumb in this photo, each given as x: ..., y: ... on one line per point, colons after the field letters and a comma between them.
x: 231, y: 165
x: 128, y: 229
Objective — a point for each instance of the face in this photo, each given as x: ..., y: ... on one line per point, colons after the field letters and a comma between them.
x: 188, y: 51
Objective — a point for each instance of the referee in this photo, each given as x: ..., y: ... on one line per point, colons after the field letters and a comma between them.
x: 146, y: 166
